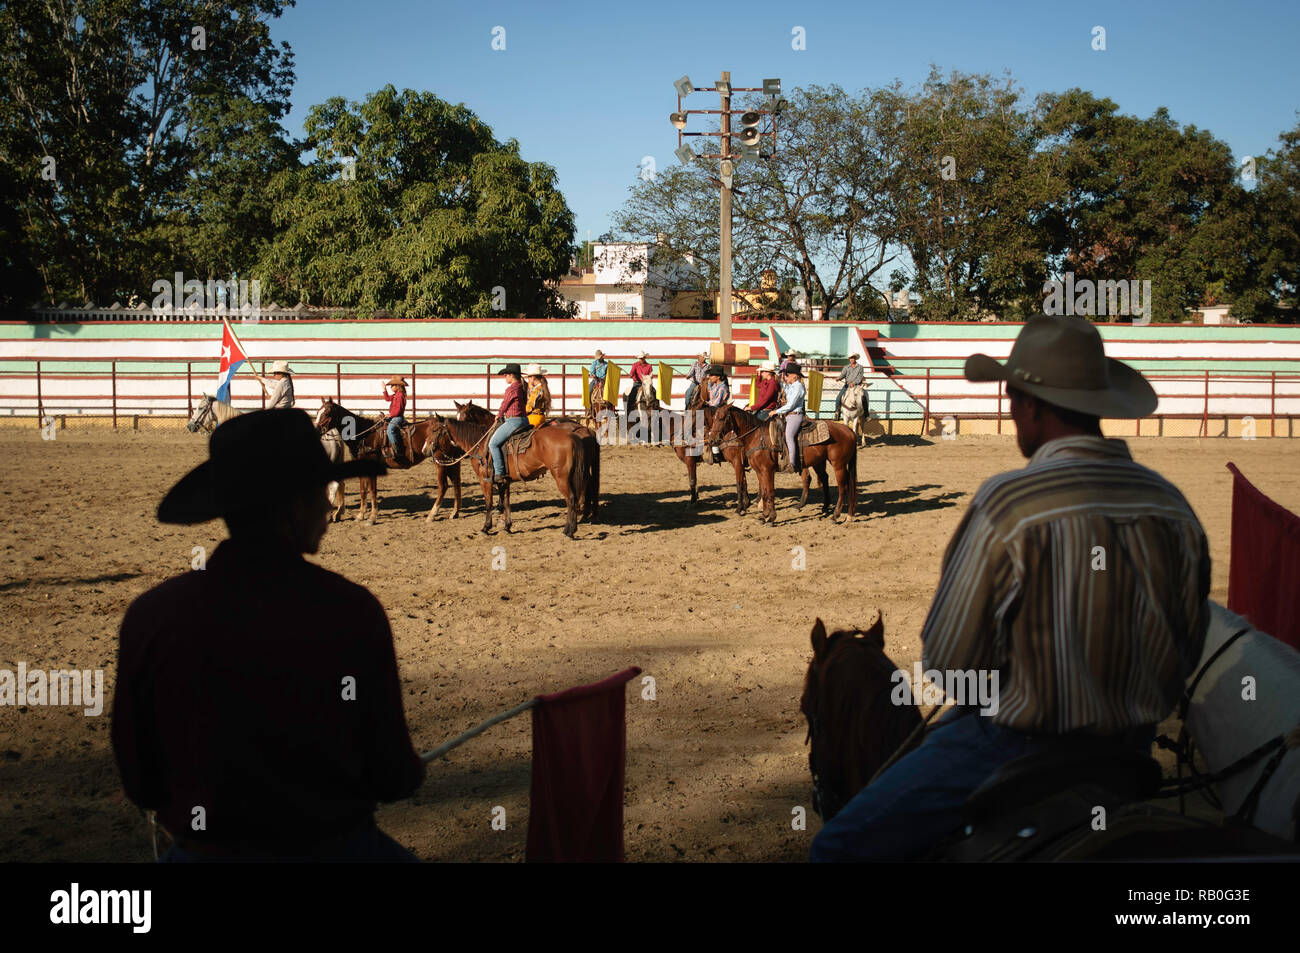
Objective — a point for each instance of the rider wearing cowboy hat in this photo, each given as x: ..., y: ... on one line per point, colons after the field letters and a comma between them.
x: 795, y: 395
x: 641, y: 372
x: 696, y: 376
x: 1075, y: 588
x: 719, y: 387
x: 538, y: 404
x: 764, y: 399
x: 851, y: 376
x: 281, y: 396
x: 596, y: 371
x: 511, y: 418
x: 214, y: 707
x: 396, y: 420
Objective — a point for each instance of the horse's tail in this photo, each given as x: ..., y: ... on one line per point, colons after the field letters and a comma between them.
x: 853, y: 477
x: 578, y: 471
x: 593, y: 478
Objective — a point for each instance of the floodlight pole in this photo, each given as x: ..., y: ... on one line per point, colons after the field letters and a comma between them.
x: 724, y: 253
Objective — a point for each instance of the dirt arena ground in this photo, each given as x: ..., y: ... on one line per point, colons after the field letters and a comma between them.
x: 705, y: 602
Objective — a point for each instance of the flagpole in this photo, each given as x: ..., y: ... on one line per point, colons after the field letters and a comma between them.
x: 235, y: 337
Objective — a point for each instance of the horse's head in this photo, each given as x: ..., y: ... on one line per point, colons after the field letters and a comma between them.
x: 719, y: 421
x: 438, y: 444
x: 853, y: 724
x: 472, y: 412
x: 326, y: 416
x: 201, y: 414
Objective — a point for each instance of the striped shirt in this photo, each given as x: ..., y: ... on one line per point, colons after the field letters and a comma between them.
x: 1082, y: 579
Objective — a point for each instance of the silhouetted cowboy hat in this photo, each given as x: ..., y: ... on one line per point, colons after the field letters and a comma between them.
x: 266, y: 454
x: 396, y: 382
x: 715, y: 371
x: 793, y: 368
x: 510, y: 369
x: 1060, y: 360
x: 534, y: 370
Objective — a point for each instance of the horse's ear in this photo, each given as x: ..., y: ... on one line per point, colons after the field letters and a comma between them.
x: 818, y: 638
x: 877, y: 631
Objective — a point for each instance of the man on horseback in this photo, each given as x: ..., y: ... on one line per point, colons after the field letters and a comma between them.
x: 510, y: 419
x: 793, y: 409
x: 280, y: 397
x: 642, y: 376
x: 396, y: 420
x: 1080, y: 582
x: 851, y: 376
x: 597, y: 371
x: 696, y: 376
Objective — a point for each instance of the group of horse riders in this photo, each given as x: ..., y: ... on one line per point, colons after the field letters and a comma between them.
x: 520, y: 407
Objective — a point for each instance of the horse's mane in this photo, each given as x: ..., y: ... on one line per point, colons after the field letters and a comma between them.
x: 366, y: 421
x: 468, y: 431
x: 474, y: 411
x: 849, y: 688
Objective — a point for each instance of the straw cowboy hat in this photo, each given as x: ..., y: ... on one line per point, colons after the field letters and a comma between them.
x: 534, y: 370
x: 599, y: 352
x: 645, y: 353
x: 1060, y: 360
x: 769, y: 366
x: 281, y: 367
x: 281, y: 446
x: 396, y: 382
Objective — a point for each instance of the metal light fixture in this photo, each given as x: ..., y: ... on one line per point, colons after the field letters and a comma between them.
x: 685, y: 154
x: 683, y: 86
x: 678, y: 120
x: 771, y: 87
x: 750, y: 118
x: 723, y: 87
x: 748, y: 153
x: 725, y: 171
x: 748, y: 136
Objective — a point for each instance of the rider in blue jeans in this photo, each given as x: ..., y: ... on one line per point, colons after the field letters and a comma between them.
x: 396, y: 420
x: 512, y: 417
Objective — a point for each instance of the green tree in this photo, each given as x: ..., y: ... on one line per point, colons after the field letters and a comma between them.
x: 126, y: 107
x: 411, y: 205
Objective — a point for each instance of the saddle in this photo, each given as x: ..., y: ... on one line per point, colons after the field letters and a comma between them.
x: 812, y: 433
x: 520, y: 440
x: 1043, y: 800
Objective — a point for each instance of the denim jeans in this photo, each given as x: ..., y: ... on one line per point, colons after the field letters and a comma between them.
x: 369, y: 845
x: 508, y: 426
x: 918, y: 800
x: 395, y: 426
x: 691, y: 388
x: 763, y: 415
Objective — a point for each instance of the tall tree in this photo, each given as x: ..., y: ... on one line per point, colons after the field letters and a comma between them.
x: 114, y: 110
x: 411, y: 205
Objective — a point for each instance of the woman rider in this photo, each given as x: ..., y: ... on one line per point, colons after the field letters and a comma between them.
x: 396, y: 418
x: 510, y: 419
x: 793, y: 408
x: 765, y: 400
x: 538, y: 404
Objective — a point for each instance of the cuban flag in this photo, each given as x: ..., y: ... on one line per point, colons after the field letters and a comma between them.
x: 232, y: 359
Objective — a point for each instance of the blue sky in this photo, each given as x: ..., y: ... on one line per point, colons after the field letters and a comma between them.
x: 587, y: 87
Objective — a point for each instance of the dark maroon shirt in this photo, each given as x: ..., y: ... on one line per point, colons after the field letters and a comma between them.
x: 764, y: 396
x: 230, y: 696
x: 512, y: 404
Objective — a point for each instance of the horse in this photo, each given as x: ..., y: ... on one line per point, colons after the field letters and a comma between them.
x: 557, y: 450
x: 856, y: 412
x: 212, y: 413
x: 367, y: 438
x: 591, y: 479
x: 853, y: 726
x: 761, y: 454
x: 690, y: 450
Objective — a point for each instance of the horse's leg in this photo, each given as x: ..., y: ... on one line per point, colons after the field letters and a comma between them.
x: 343, y: 503
x: 738, y: 462
x: 804, y: 480
x: 692, y: 466
x: 825, y: 482
x: 442, y: 490
x: 486, y: 485
x: 455, y: 489
x: 767, y: 481
x: 362, y: 488
x: 374, y: 500
x: 572, y: 493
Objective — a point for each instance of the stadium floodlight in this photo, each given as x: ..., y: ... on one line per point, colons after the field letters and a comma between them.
x: 771, y: 87
x: 748, y: 153
x: 678, y: 120
x: 750, y: 118
x: 683, y: 86
x: 748, y: 136
x: 780, y: 105
x: 685, y: 154
x: 723, y: 87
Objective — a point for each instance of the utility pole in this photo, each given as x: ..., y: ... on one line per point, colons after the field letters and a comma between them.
x: 724, y: 252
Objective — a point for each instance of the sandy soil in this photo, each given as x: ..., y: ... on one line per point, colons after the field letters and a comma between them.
x: 705, y: 602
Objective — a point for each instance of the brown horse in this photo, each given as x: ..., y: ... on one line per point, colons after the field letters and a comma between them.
x: 591, y: 479
x: 367, y: 437
x: 761, y: 454
x: 670, y: 427
x: 556, y: 450
x: 853, y: 725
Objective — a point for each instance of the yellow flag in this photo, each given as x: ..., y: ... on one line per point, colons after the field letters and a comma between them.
x: 749, y: 399
x: 815, y: 391
x: 586, y: 390
x: 612, y: 375
x: 665, y: 383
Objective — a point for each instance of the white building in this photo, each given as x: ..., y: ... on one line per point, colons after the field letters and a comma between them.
x: 624, y: 282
